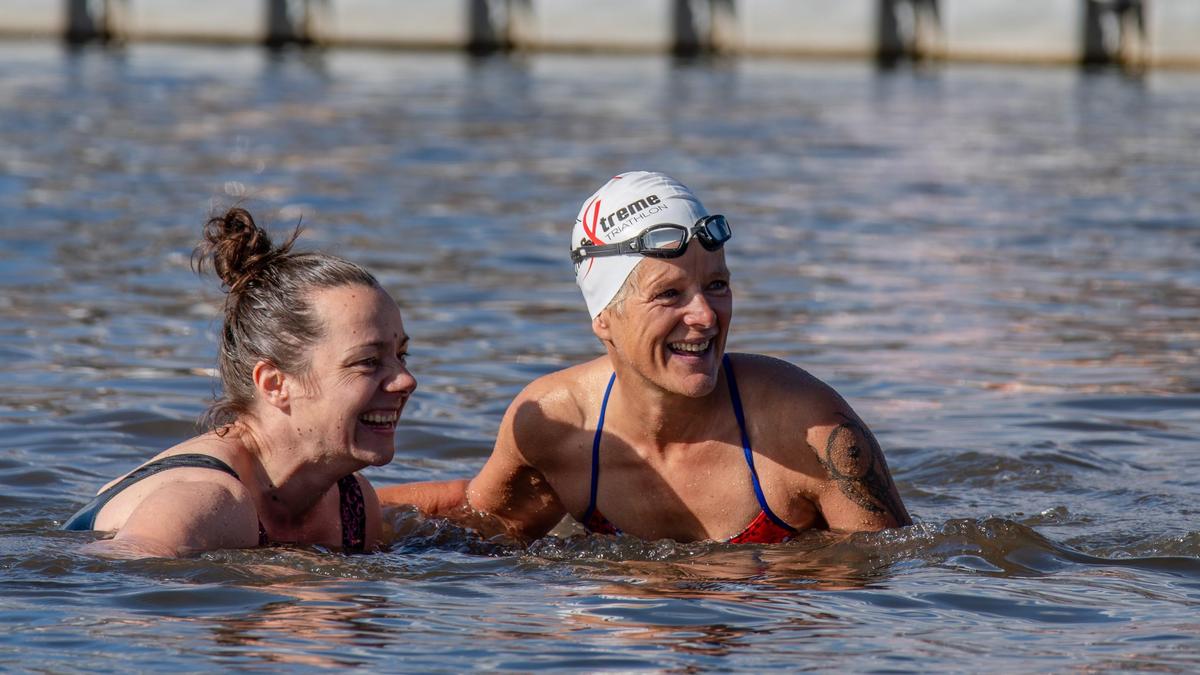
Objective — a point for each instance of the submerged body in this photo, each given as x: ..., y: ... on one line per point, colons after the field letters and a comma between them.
x: 351, y: 508
x: 314, y: 376
x: 816, y: 465
x: 685, y: 452
x: 766, y: 528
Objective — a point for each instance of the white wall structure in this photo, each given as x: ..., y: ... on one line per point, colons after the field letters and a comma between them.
x: 994, y: 30
x: 220, y: 20
x: 406, y: 23
x: 32, y: 18
x: 1174, y: 32
x: 619, y: 25
x: 1045, y: 30
x: 813, y: 27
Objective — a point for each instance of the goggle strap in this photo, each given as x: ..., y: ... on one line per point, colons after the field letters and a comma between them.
x: 701, y: 230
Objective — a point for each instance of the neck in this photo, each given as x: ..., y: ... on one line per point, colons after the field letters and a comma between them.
x: 289, y: 478
x: 664, y: 418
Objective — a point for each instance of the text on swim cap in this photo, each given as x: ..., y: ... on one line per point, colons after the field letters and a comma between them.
x: 624, y: 213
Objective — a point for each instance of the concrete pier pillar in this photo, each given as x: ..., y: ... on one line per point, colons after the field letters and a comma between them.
x: 292, y: 22
x: 483, y: 35
x: 497, y: 25
x: 907, y: 30
x: 703, y: 27
x: 91, y: 21
x: 1114, y: 33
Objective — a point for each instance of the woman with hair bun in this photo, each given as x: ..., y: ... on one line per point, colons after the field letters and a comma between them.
x: 312, y: 365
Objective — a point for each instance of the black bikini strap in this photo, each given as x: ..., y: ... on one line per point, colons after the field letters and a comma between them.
x: 85, y: 518
x: 354, y: 514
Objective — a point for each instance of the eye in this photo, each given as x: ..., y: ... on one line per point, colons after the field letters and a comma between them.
x: 369, y: 362
x: 668, y: 295
x: 403, y: 357
x: 718, y: 286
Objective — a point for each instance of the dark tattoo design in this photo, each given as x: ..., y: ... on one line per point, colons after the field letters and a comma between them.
x: 853, y: 459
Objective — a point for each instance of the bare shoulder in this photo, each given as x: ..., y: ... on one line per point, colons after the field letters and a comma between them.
x: 554, y: 406
x: 823, y: 439
x: 788, y: 408
x: 565, y: 393
x: 186, y: 517
x: 181, y: 481
x: 542, y: 425
x: 227, y: 450
x: 770, y: 382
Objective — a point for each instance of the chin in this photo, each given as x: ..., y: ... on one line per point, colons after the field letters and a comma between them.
x: 373, y: 456
x: 697, y: 386
x: 693, y: 381
x: 381, y: 457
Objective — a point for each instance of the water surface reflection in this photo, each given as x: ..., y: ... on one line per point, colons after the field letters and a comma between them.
x: 994, y: 265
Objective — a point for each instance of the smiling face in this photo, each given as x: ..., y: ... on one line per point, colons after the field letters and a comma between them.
x: 358, y: 381
x: 672, y: 324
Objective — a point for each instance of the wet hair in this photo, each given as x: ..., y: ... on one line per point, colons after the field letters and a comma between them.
x: 632, y: 285
x: 269, y: 315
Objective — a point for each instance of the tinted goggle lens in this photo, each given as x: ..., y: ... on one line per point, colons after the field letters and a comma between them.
x: 669, y: 241
x: 713, y: 232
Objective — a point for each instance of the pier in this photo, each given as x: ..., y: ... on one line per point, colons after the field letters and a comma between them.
x: 1132, y: 33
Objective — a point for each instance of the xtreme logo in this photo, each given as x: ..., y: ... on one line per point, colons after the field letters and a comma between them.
x: 607, y: 222
x: 617, y: 219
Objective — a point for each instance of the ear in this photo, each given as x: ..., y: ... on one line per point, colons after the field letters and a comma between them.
x: 272, y: 385
x: 601, y: 327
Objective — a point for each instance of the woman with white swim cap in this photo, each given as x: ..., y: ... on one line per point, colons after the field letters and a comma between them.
x: 665, y: 433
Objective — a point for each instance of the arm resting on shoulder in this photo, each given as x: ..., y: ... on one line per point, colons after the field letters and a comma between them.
x: 434, y: 498
x: 495, y: 502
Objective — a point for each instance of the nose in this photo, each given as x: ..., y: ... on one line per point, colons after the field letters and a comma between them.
x: 700, y: 313
x: 401, y: 382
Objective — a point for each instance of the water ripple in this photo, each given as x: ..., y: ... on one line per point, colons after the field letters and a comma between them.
x: 994, y: 266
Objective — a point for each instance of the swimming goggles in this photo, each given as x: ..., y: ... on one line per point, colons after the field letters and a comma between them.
x: 663, y: 241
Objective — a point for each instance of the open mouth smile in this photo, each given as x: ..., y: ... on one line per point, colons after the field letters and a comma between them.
x: 691, y: 348
x: 381, y: 420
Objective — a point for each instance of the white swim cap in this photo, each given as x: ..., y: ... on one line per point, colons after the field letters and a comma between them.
x: 625, y: 207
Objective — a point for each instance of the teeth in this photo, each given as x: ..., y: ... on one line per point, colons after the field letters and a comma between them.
x: 380, y: 417
x: 690, y: 347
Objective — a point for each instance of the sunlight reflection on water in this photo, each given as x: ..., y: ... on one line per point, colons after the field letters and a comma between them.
x: 995, y: 266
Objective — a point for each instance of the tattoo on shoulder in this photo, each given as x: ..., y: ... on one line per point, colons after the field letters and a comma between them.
x: 854, y: 460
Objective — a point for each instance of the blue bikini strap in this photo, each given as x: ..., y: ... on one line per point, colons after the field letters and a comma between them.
x: 587, y: 515
x: 741, y: 420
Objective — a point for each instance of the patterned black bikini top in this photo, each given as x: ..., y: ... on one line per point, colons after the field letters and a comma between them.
x: 351, y: 507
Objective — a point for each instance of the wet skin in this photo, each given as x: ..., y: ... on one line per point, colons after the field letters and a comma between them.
x: 671, y: 458
x: 305, y: 431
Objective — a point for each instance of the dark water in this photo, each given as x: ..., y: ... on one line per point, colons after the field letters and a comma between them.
x: 997, y: 267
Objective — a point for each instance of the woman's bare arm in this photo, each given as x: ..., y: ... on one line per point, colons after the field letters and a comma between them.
x: 434, y: 498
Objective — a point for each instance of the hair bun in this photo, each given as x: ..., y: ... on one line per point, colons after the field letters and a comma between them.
x: 237, y: 248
